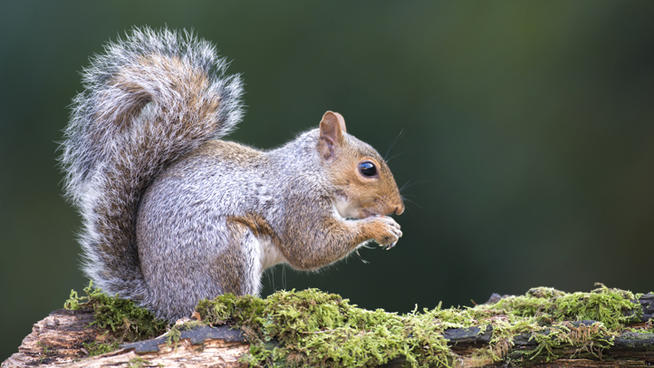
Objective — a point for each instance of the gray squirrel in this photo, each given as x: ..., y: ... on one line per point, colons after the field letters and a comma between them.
x: 173, y: 214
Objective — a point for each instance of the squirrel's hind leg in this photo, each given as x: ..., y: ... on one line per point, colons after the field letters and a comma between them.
x: 238, y: 268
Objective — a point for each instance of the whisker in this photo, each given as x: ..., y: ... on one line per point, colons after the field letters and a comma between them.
x: 393, y: 144
x: 409, y: 200
x: 405, y: 185
x: 412, y: 183
x: 392, y: 157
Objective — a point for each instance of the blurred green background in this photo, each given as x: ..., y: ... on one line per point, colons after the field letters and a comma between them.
x: 521, y: 131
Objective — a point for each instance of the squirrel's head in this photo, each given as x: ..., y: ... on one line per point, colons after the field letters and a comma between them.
x: 364, y: 185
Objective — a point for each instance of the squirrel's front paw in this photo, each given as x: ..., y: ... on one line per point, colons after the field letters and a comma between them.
x: 385, y: 231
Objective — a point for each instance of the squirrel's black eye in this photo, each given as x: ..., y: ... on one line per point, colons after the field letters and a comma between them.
x: 367, y: 168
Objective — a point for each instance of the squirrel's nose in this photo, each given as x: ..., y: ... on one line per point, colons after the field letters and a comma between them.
x: 399, y: 209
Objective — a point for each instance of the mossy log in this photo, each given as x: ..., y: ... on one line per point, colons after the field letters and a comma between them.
x: 511, y: 331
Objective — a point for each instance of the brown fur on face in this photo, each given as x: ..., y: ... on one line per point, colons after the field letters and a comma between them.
x: 358, y: 196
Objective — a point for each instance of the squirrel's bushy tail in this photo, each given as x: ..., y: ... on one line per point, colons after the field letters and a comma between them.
x: 147, y: 100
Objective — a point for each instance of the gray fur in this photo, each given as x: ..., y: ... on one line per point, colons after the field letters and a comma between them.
x: 190, y: 230
x: 130, y: 135
x: 171, y: 213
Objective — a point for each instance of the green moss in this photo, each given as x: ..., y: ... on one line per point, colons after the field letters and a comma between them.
x: 139, y: 363
x: 313, y: 328
x: 525, y: 306
x: 97, y: 348
x: 584, y: 339
x: 45, y: 352
x: 612, y: 307
x: 545, y: 313
x: 174, y: 334
x: 120, y: 319
x: 124, y: 319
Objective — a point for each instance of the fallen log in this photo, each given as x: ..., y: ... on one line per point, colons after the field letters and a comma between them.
x: 224, y: 337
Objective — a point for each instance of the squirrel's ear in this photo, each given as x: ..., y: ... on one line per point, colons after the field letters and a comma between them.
x: 332, y: 131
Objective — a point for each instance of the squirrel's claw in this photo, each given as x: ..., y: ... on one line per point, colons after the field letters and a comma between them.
x: 388, y: 247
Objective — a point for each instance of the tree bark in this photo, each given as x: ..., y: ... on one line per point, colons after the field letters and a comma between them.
x: 58, y: 341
